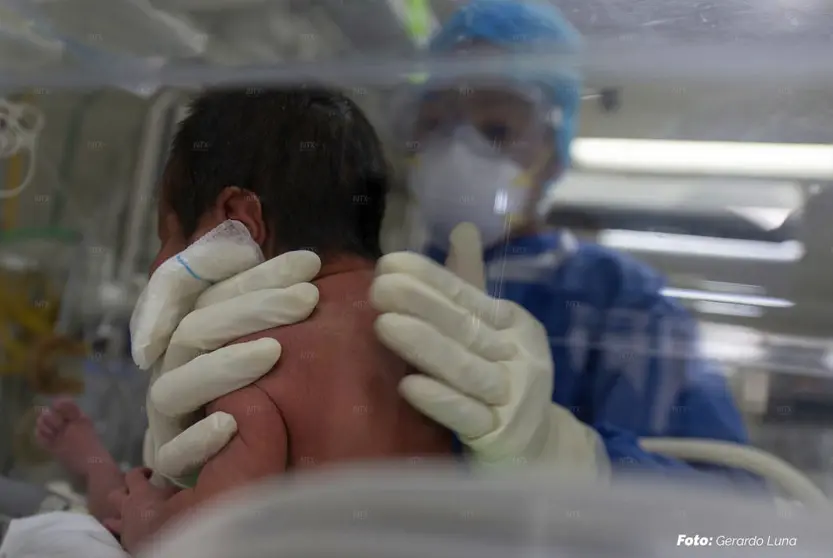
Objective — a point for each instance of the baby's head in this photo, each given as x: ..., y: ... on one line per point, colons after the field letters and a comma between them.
x: 301, y: 167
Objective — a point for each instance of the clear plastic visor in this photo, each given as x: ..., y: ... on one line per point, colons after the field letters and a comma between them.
x: 508, y: 116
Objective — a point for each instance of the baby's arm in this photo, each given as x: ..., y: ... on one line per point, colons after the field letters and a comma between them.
x: 258, y: 450
x: 70, y: 436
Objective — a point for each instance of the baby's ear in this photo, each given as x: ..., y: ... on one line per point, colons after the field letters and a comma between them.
x: 244, y: 206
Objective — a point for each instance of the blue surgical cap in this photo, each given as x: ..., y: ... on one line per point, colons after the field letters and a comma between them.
x: 518, y: 25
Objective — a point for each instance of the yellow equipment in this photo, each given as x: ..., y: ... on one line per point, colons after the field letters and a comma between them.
x: 29, y: 305
x: 31, y: 352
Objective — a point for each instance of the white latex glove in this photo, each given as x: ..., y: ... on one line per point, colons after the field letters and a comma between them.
x: 197, y: 367
x: 185, y: 317
x: 487, y: 370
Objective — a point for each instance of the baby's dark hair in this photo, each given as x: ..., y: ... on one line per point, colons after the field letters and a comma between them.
x: 308, y: 153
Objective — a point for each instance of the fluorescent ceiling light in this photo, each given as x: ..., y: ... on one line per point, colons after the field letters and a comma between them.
x: 688, y: 245
x: 714, y: 158
x: 726, y: 309
x: 749, y: 300
x: 732, y: 343
x: 728, y: 287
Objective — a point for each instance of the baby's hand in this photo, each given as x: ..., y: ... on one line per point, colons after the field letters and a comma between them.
x: 69, y: 435
x: 142, y: 508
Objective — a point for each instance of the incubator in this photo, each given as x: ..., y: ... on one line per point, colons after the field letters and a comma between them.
x: 654, y: 188
x: 381, y: 511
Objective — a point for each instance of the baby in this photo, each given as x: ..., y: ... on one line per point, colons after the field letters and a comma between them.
x: 301, y: 169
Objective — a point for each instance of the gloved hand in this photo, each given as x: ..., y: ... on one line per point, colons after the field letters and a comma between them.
x: 190, y: 320
x: 273, y: 294
x: 487, y: 370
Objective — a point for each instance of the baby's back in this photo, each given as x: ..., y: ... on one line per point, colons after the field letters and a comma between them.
x: 336, y: 386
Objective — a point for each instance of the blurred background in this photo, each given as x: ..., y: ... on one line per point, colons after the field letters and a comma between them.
x: 715, y: 170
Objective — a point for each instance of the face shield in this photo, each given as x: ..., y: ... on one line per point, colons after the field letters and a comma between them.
x: 478, y: 150
x: 509, y: 118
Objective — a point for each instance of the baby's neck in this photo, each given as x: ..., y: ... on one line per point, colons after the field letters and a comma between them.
x: 344, y: 263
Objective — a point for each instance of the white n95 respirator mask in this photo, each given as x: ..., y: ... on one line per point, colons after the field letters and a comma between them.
x: 462, y: 179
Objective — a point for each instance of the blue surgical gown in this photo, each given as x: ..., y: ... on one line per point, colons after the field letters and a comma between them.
x: 626, y: 357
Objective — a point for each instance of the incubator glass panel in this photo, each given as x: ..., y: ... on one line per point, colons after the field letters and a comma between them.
x: 654, y: 187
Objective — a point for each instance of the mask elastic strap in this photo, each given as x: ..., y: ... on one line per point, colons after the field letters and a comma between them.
x: 539, y: 165
x: 529, y: 173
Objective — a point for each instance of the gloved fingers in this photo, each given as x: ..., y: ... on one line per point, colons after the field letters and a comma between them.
x: 400, y: 293
x: 457, y: 412
x: 284, y: 271
x: 199, y: 443
x: 216, y: 325
x: 186, y: 389
x: 465, y: 255
x: 497, y: 313
x: 148, y: 450
x: 434, y: 353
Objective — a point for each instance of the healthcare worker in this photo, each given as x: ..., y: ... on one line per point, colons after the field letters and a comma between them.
x: 486, y: 150
x: 626, y: 358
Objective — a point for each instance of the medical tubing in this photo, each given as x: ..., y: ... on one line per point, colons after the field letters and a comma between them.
x: 728, y: 454
x: 70, y: 149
